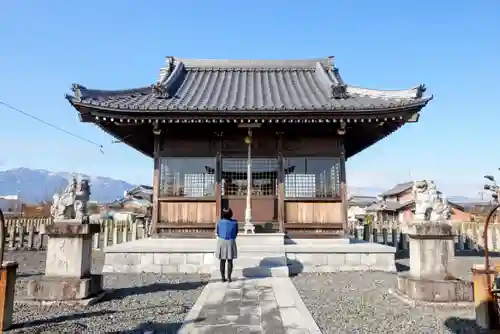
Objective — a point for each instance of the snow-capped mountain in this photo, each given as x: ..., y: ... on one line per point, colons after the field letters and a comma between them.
x: 36, y: 185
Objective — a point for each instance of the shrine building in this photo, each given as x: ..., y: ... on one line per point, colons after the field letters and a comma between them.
x: 274, y: 134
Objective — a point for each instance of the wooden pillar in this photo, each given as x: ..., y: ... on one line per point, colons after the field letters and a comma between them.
x: 218, y: 177
x: 343, y: 189
x: 156, y: 177
x: 281, y: 186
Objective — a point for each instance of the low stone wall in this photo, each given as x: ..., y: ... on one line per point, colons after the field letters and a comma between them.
x: 336, y: 262
x: 166, y: 263
x: 162, y: 256
x: 359, y: 256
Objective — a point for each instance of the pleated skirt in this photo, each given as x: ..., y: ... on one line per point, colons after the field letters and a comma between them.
x: 226, y: 249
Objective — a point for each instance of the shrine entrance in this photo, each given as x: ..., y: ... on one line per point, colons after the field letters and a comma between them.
x: 263, y: 191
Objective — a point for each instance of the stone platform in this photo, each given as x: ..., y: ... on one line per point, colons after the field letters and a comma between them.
x: 259, y: 255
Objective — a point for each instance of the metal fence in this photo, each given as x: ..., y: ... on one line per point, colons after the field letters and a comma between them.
x: 25, y: 233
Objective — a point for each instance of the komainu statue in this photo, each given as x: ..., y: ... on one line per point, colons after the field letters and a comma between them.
x: 82, y: 196
x: 72, y: 203
x: 430, y: 205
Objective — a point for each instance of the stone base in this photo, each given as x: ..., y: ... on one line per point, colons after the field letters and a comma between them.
x: 49, y: 290
x: 197, y: 256
x: 433, y: 290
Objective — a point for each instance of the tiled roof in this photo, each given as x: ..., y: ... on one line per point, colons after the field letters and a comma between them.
x: 388, y: 205
x: 248, y: 85
x: 397, y: 189
x: 361, y: 200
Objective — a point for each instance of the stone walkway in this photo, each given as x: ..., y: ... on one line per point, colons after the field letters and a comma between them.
x: 265, y: 305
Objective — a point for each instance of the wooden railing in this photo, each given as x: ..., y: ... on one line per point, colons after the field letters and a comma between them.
x: 24, y: 233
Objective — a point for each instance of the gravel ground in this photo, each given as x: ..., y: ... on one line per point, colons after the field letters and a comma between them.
x: 138, y: 303
x: 340, y: 303
x: 361, y: 303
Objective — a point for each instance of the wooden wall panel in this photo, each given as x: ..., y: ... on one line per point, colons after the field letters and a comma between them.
x: 264, y: 209
x: 175, y: 147
x: 187, y: 212
x: 311, y: 146
x: 313, y: 212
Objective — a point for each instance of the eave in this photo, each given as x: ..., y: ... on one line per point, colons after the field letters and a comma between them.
x: 334, y: 114
x: 358, y: 135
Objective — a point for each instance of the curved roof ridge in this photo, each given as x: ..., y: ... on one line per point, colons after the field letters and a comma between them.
x: 82, y: 92
x: 253, y: 63
x: 416, y: 92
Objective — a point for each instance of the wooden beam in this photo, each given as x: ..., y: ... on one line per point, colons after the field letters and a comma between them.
x: 281, y: 186
x: 218, y: 174
x: 343, y: 189
x: 156, y: 180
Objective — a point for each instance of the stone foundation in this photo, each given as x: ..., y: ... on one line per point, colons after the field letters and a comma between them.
x: 63, y: 289
x: 434, y: 291
x: 197, y: 256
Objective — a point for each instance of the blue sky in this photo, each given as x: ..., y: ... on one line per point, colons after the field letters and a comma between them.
x: 451, y: 46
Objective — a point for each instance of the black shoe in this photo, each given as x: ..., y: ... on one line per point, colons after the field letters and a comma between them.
x: 224, y: 280
x: 229, y: 280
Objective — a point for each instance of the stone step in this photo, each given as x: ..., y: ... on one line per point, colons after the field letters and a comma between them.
x: 254, y: 272
x: 247, y: 262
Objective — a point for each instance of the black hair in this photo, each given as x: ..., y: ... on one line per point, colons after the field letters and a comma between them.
x: 227, y: 213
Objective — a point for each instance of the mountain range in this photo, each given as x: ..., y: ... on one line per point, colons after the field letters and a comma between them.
x: 37, y: 185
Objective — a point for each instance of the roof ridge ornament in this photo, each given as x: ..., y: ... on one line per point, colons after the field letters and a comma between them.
x: 77, y: 89
x: 339, y: 92
x: 421, y: 89
x: 160, y: 88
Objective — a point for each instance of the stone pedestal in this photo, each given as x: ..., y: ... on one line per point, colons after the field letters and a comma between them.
x: 68, y: 275
x: 7, y: 292
x: 429, y: 279
x: 432, y: 247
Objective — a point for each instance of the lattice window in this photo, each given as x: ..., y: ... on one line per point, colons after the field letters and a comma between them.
x: 199, y: 185
x: 312, y: 177
x: 187, y: 177
x: 300, y: 185
x: 264, y: 177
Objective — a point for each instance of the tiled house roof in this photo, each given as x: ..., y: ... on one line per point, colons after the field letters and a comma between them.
x: 249, y: 85
x: 361, y: 200
x: 397, y: 189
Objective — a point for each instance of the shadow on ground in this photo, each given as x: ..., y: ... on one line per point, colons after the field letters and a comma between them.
x: 400, y: 267
x: 155, y: 327
x: 462, y: 326
x: 76, y: 322
x: 121, y: 293
x: 264, y: 269
x: 62, y: 318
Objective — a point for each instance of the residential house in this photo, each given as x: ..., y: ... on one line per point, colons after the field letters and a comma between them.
x: 358, y: 207
x: 11, y: 205
x: 136, y: 202
x: 398, y: 205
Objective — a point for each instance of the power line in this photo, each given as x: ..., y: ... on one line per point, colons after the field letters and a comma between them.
x: 54, y: 126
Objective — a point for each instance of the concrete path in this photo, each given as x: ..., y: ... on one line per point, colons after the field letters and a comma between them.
x: 265, y: 305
